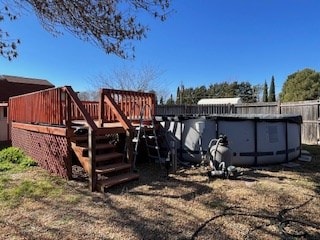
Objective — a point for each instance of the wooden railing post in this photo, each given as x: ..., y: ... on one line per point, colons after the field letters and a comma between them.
x: 101, y: 109
x: 92, y: 159
x: 129, y: 150
x: 68, y: 123
x: 67, y: 99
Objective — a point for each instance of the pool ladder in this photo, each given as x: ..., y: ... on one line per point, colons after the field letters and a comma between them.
x: 148, y: 133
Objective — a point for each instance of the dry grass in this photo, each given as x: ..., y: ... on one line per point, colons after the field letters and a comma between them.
x: 264, y: 203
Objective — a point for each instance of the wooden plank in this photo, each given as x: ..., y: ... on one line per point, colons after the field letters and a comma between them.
x: 83, y: 160
x: 108, y: 156
x: 102, y: 184
x: 92, y: 159
x: 101, y: 109
x: 59, y: 131
x: 110, y: 130
x: 99, y: 146
x: 113, y: 168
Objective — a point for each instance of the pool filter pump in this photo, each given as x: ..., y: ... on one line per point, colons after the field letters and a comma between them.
x: 220, y: 157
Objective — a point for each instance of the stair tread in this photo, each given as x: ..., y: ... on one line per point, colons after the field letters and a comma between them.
x: 152, y: 146
x: 126, y: 177
x: 108, y: 156
x: 85, y: 137
x: 112, y: 167
x: 99, y: 146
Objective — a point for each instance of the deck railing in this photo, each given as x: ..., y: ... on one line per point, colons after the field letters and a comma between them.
x: 91, y: 107
x: 44, y: 107
x: 49, y: 106
x: 129, y: 103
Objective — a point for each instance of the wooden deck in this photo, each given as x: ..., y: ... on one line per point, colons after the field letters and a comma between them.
x: 59, y: 112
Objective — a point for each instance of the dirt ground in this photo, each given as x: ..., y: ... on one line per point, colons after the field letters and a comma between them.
x: 273, y: 202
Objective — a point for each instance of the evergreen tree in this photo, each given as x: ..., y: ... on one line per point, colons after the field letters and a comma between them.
x: 246, y: 92
x: 178, y: 99
x: 170, y: 101
x: 301, y: 86
x: 199, y: 93
x: 272, y: 91
x: 265, y: 92
x: 161, y: 100
x: 182, y: 95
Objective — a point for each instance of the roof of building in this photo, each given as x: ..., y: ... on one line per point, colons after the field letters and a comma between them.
x: 15, y: 79
x: 11, y: 86
x: 207, y: 101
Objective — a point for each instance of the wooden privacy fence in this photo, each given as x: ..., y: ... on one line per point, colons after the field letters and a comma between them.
x: 309, y: 110
x: 163, y: 110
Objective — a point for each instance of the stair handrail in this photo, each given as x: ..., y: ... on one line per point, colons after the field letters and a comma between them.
x: 122, y: 118
x: 74, y: 97
x: 91, y: 132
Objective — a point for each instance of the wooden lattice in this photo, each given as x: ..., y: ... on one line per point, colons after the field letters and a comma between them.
x: 50, y: 151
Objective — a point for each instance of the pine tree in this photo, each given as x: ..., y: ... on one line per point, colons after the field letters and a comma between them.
x: 272, y: 94
x: 161, y: 100
x: 265, y: 92
x: 182, y: 95
x: 170, y: 101
x: 178, y: 99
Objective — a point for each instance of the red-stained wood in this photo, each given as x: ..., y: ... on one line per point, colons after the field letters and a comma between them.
x: 81, y: 108
x: 53, y: 111
x: 60, y: 131
x: 101, y: 109
x: 117, y: 111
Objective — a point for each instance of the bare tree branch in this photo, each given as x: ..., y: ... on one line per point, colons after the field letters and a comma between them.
x: 144, y: 79
x: 109, y: 24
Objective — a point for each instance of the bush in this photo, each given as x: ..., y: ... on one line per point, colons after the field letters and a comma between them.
x: 12, y: 154
x: 14, y: 158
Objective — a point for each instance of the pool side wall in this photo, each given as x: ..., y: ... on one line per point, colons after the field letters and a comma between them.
x: 253, y: 141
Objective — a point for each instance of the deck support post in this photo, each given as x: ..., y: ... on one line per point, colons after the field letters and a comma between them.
x: 92, y: 159
x: 129, y: 150
x: 68, y: 122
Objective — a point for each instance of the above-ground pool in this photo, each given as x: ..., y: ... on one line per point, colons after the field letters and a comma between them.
x: 254, y: 139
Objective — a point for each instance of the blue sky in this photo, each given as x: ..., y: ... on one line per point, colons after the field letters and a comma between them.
x: 203, y: 42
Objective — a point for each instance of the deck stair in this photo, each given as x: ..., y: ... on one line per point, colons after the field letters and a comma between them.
x: 111, y: 166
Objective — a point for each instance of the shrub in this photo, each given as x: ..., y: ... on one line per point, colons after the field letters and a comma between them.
x: 13, y: 157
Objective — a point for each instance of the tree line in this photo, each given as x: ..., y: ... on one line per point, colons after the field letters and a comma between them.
x: 244, y: 90
x: 300, y: 86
